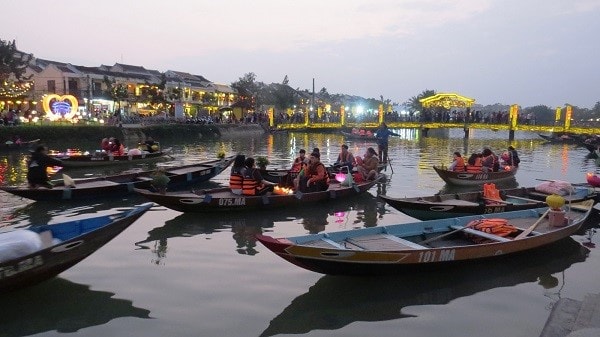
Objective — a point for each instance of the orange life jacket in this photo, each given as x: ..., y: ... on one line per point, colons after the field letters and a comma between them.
x: 298, y: 165
x: 249, y: 184
x: 475, y: 168
x: 236, y: 181
x: 312, y: 171
x: 460, y: 165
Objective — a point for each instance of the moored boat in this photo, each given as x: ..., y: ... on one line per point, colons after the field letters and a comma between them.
x: 223, y: 200
x: 356, y: 136
x: 122, y: 184
x: 442, y: 206
x: 20, y: 145
x: 75, y: 159
x: 427, y: 244
x: 475, y: 178
x: 40, y: 252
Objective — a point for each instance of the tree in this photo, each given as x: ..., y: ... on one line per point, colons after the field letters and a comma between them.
x: 13, y: 66
x: 414, y: 105
x: 116, y: 91
x: 542, y: 114
x: 286, y: 80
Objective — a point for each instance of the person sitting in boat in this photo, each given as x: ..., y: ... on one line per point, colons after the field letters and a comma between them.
x: 316, y: 177
x: 458, y: 163
x: 254, y: 183
x: 300, y: 162
x: 37, y: 166
x: 116, y: 148
x: 105, y: 145
x: 150, y: 145
x: 345, y: 159
x: 236, y: 178
x: 513, y: 157
x: 489, y: 161
x: 368, y: 165
x: 474, y: 164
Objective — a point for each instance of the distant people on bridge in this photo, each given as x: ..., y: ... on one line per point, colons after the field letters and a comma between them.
x: 458, y: 163
x: 382, y: 135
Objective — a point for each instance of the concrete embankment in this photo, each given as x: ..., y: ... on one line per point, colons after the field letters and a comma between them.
x: 133, y: 133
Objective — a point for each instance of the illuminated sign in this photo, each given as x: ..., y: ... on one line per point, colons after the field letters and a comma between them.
x: 56, y: 106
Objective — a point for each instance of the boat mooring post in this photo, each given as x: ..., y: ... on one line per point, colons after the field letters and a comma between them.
x: 425, y: 131
x: 511, y: 134
x: 466, y: 130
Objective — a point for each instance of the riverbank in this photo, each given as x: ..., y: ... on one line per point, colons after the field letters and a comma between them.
x: 133, y: 132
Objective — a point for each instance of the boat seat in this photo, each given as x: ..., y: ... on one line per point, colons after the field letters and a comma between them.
x: 324, y: 243
x: 383, y: 242
x: 489, y: 236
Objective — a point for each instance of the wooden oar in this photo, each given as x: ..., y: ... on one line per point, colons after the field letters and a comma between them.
x: 532, y: 227
x: 446, y: 234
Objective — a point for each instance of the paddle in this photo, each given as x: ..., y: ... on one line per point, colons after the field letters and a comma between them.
x: 447, y: 234
x: 532, y: 227
x: 390, y: 163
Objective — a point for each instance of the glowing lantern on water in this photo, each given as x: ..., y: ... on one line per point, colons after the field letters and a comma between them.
x: 280, y: 190
x: 340, y: 177
x: 555, y: 201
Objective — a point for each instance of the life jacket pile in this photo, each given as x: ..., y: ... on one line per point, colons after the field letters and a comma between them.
x: 495, y: 226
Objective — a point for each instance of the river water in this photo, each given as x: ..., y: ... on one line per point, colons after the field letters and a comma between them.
x: 175, y: 274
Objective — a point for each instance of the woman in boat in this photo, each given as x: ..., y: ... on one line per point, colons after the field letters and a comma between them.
x: 316, y: 177
x: 236, y: 178
x: 458, y: 163
x: 105, y: 145
x: 253, y: 183
x: 345, y: 159
x: 300, y: 162
x: 474, y: 163
x: 513, y: 157
x: 489, y: 161
x: 37, y: 166
x: 368, y: 166
x: 116, y: 148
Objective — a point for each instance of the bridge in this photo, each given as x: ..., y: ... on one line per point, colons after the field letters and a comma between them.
x: 443, y: 100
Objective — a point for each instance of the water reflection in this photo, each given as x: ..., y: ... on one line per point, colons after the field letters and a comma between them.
x: 63, y: 306
x: 335, y: 301
x: 360, y: 211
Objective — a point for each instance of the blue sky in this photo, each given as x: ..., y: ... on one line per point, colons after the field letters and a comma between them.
x: 525, y: 52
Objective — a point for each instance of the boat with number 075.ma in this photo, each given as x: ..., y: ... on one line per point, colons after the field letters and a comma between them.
x: 40, y: 252
x: 429, y: 244
x: 223, y: 200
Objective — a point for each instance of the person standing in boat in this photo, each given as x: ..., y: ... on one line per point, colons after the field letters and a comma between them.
x: 458, y: 163
x: 345, y: 159
x: 37, y: 175
x: 382, y: 134
x: 316, y: 177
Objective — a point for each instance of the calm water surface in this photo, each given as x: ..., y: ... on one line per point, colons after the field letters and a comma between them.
x: 175, y: 274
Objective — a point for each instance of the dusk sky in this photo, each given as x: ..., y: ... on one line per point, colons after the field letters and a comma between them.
x: 535, y: 52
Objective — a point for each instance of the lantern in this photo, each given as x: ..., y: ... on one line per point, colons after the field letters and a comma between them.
x: 340, y: 177
x: 593, y: 179
x: 555, y: 201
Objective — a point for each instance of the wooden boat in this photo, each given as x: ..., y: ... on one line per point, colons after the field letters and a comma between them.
x: 426, y: 244
x: 29, y: 256
x: 565, y: 138
x: 122, y: 184
x: 380, y: 299
x: 479, y: 178
x: 223, y: 200
x: 285, y: 177
x: 354, y: 136
x: 442, y: 206
x: 75, y: 159
x: 23, y: 145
